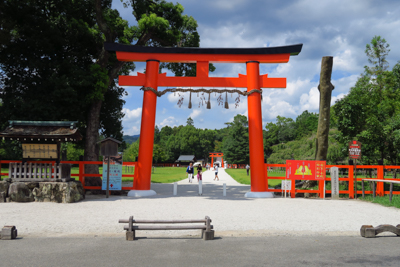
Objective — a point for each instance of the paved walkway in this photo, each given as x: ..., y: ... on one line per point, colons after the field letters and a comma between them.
x: 208, y: 178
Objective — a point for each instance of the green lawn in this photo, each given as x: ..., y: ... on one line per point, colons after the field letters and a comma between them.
x: 168, y: 174
x: 384, y: 201
x: 241, y: 177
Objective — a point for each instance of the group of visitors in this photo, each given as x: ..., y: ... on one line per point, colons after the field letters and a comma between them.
x: 190, y: 172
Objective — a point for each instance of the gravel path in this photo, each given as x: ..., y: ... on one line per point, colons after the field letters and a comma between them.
x: 233, y: 215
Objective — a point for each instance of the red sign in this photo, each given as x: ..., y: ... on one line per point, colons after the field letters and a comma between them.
x: 305, y: 170
x: 355, y: 150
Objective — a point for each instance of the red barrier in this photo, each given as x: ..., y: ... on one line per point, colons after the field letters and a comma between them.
x: 350, y: 179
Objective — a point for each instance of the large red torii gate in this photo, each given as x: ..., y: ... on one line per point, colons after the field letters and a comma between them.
x: 202, y: 57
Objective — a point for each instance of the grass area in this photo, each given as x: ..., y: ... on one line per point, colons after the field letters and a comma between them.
x: 241, y: 177
x: 168, y: 174
x: 384, y: 201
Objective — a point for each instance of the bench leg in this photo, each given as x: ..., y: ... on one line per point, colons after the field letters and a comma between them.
x: 130, y: 235
x: 208, y: 235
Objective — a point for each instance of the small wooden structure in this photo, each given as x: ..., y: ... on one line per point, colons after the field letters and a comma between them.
x: 206, y: 229
x: 184, y: 160
x: 41, y: 140
x: 109, y: 147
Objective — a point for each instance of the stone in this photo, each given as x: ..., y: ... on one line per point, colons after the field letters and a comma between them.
x: 59, y: 192
x: 2, y: 197
x: 4, y: 185
x: 20, y: 192
x: 69, y: 192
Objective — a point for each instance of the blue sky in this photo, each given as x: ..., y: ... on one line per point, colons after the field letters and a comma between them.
x: 335, y: 28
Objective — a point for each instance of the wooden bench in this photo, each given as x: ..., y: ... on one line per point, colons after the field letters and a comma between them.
x: 379, y: 180
x: 39, y: 172
x: 206, y: 229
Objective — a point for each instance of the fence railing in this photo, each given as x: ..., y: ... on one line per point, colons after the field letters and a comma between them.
x: 350, y: 178
x: 81, y: 175
x: 346, y: 173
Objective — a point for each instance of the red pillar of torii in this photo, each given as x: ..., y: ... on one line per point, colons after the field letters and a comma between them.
x: 202, y: 57
x: 216, y: 155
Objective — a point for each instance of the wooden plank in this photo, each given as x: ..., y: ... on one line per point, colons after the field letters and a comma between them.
x: 30, y: 171
x: 45, y: 171
x: 19, y: 175
x: 25, y: 167
x: 168, y: 227
x: 40, y: 171
x: 163, y: 221
x: 381, y: 180
x: 10, y: 168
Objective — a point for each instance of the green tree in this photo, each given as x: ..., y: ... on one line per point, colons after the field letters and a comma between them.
x: 189, y: 122
x: 131, y: 152
x: 369, y: 112
x: 55, y: 49
x: 306, y: 122
x: 236, y: 144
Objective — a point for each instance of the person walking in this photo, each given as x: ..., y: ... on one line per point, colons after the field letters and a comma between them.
x: 189, y: 171
x: 199, y: 172
x: 247, y: 169
x: 216, y: 172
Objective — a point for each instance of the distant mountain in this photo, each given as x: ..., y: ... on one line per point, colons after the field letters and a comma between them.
x: 129, y: 139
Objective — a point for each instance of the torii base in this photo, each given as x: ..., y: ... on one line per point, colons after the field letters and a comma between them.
x: 259, y: 195
x: 141, y: 193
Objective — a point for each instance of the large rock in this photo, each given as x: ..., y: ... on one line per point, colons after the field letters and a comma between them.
x: 67, y: 192
x: 20, y: 192
x: 4, y: 185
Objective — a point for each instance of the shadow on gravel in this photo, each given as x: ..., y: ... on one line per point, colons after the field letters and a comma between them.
x: 210, y: 191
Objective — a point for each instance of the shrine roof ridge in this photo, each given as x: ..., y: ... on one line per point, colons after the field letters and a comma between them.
x: 293, y: 50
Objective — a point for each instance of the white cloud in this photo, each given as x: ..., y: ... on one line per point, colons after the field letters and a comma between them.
x: 131, y: 131
x: 195, y: 113
x: 310, y: 101
x: 132, y: 114
x: 170, y: 121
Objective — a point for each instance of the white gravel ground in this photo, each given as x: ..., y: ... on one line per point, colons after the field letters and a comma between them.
x: 233, y: 215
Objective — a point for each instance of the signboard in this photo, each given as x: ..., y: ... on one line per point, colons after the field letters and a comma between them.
x: 335, y: 182
x: 305, y: 169
x: 286, y: 185
x: 355, y: 150
x: 39, y: 151
x: 115, y: 178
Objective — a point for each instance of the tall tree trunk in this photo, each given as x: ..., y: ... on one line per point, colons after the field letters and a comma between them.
x: 91, y: 147
x: 325, y: 88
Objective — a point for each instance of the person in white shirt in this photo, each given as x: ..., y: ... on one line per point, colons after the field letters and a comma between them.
x: 216, y: 172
